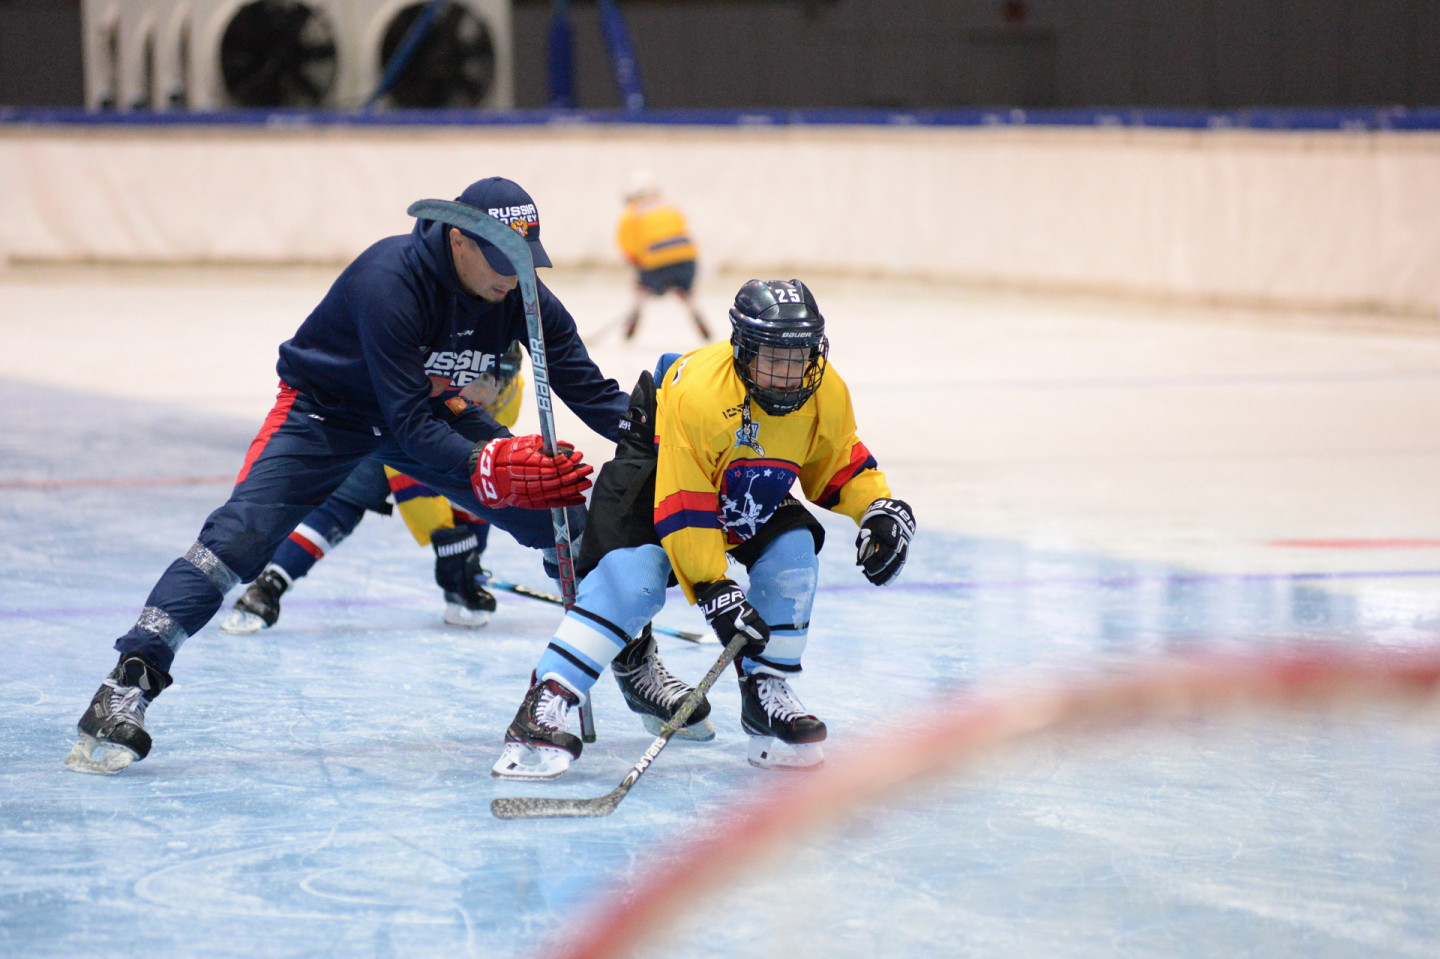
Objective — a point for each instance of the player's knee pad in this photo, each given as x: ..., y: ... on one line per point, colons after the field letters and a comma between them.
x: 783, y: 579
x: 627, y: 587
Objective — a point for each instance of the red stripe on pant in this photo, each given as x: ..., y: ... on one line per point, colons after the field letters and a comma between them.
x: 283, y: 401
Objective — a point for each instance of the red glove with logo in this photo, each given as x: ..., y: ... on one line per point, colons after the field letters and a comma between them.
x: 514, y: 471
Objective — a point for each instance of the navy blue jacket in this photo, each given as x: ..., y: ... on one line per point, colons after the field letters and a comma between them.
x: 396, y: 336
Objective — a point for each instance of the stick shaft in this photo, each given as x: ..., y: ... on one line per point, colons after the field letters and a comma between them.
x: 544, y: 597
x: 517, y: 251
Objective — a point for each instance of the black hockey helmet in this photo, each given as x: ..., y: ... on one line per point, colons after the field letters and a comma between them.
x: 778, y: 315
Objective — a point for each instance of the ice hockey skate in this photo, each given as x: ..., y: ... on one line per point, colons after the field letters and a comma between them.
x: 457, y: 571
x: 654, y: 694
x: 471, y: 609
x: 782, y: 734
x: 259, y: 607
x: 112, y: 730
x: 539, y: 744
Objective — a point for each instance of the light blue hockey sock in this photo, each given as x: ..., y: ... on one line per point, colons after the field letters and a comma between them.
x: 612, y: 605
x: 782, y: 590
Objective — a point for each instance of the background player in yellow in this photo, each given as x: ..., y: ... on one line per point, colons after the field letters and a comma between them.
x: 655, y: 238
x: 457, y: 536
x: 702, y: 475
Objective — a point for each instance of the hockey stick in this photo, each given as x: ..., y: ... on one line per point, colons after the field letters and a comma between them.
x: 604, y: 330
x: 545, y: 597
x: 543, y: 807
x: 517, y: 251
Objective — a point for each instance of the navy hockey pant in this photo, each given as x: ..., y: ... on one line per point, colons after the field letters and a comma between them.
x: 329, y: 524
x: 293, y: 465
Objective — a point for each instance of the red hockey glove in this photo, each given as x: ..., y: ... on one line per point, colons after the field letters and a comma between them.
x: 514, y: 471
x: 729, y: 613
x: 884, y: 539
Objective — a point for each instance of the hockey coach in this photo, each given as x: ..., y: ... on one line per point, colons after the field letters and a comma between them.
x: 368, y: 375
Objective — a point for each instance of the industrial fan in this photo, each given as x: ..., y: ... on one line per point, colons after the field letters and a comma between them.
x: 278, y: 53
x: 449, y: 61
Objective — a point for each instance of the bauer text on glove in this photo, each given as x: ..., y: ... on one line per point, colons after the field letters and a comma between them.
x: 884, y: 539
x: 514, y: 471
x: 730, y: 613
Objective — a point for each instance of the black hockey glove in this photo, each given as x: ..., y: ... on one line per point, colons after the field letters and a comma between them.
x: 885, y: 532
x: 729, y: 612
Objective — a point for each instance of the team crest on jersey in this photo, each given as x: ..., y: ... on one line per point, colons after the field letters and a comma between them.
x: 748, y: 435
x: 750, y: 493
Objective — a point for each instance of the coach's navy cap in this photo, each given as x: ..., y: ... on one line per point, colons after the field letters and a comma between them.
x: 507, y: 202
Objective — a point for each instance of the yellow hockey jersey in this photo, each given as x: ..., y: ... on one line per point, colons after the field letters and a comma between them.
x: 652, y: 234
x: 721, y: 474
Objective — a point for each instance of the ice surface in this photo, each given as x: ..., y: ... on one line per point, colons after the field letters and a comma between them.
x: 1091, y: 484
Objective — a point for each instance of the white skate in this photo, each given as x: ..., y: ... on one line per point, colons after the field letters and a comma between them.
x: 522, y: 761
x: 242, y: 622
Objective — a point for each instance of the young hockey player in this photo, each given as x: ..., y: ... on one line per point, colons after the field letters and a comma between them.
x: 457, y: 536
x: 654, y: 237
x: 357, y: 384
x: 709, y: 450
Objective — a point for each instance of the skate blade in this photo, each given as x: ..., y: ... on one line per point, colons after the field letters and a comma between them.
x: 242, y: 623
x: 457, y: 615
x: 701, y: 732
x: 767, y: 752
x: 523, y: 762
x: 111, y: 758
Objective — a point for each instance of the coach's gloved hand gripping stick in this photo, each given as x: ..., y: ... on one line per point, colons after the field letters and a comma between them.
x: 515, y: 471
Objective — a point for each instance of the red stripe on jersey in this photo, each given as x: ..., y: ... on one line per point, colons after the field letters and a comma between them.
x: 685, y: 501
x: 312, y: 548
x: 860, y: 458
x: 283, y: 401
x: 400, y: 482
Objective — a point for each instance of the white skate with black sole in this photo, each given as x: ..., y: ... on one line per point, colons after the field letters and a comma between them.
x: 538, y: 744
x: 782, y: 734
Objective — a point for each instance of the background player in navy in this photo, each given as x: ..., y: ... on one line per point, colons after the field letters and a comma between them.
x: 358, y: 381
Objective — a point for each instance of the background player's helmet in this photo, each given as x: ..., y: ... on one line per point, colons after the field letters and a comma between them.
x: 496, y: 388
x: 508, y: 365
x: 782, y: 314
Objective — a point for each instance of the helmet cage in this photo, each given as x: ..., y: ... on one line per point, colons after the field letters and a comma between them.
x: 778, y: 316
